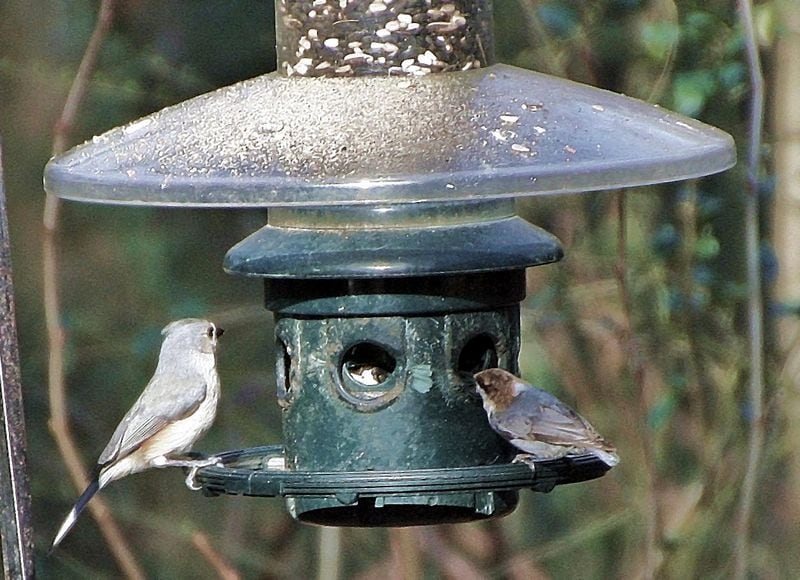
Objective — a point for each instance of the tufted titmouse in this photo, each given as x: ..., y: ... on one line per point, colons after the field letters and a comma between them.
x: 175, y: 409
x: 537, y: 423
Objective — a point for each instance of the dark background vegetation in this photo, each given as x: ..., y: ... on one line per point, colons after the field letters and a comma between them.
x: 662, y: 374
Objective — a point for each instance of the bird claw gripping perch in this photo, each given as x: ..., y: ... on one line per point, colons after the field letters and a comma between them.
x: 527, y: 459
x: 191, y: 481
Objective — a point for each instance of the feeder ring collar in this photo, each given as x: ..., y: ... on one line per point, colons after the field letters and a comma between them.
x: 247, y: 472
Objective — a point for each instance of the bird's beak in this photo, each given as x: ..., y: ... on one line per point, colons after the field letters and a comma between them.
x: 467, y: 380
x: 218, y: 332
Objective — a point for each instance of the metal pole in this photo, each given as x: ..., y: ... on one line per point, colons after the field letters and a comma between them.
x: 15, y: 498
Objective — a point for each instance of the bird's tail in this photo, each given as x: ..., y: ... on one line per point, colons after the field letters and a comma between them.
x: 76, y: 510
x: 609, y: 457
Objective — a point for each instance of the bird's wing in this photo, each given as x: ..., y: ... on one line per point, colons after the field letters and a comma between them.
x: 537, y: 415
x: 162, y: 402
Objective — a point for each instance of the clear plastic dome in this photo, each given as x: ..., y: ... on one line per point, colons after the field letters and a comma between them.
x: 489, y: 133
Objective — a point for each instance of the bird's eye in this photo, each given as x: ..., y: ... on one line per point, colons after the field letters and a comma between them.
x: 210, y: 332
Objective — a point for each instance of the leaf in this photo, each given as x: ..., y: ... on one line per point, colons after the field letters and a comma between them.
x: 659, y: 38
x: 661, y: 412
x: 707, y: 246
x: 691, y: 90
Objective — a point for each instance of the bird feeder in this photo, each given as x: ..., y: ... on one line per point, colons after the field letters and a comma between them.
x: 389, y: 149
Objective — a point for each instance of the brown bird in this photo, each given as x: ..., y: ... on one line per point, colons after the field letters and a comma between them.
x: 537, y: 423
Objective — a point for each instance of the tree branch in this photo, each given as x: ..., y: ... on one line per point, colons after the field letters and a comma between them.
x: 216, y: 560
x: 755, y: 306
x: 330, y: 553
x: 653, y: 534
x: 59, y: 416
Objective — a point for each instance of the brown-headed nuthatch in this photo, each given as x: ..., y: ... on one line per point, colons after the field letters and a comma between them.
x: 537, y: 423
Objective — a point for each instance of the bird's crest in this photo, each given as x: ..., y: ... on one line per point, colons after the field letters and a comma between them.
x: 177, y: 323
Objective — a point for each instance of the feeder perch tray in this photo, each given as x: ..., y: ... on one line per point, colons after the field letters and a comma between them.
x: 248, y: 472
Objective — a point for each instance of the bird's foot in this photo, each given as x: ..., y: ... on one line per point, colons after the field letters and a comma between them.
x: 525, y: 458
x: 191, y: 481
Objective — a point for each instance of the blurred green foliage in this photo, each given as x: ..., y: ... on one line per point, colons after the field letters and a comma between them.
x: 661, y: 376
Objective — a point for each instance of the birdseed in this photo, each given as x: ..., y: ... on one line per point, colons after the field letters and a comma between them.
x: 362, y: 37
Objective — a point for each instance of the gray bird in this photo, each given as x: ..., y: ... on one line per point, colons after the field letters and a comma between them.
x: 537, y: 423
x: 175, y: 409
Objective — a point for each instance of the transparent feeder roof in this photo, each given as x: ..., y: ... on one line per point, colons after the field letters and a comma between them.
x: 482, y: 134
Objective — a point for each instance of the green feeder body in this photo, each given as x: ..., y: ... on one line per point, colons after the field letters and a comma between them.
x: 418, y: 416
x: 389, y: 149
